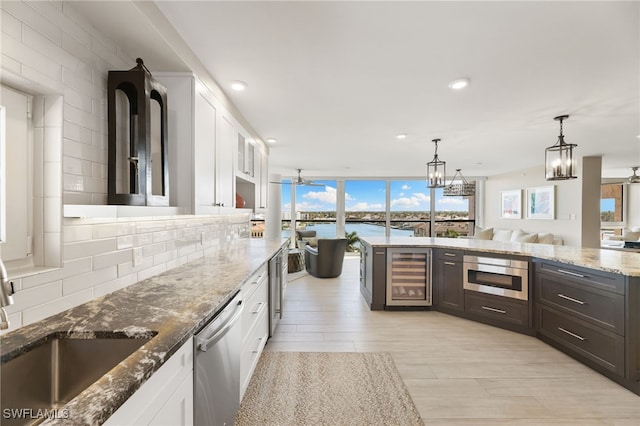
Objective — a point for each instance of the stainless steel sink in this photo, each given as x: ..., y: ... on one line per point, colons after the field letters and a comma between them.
x: 51, y: 374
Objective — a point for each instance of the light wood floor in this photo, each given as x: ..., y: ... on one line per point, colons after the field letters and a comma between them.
x: 458, y: 372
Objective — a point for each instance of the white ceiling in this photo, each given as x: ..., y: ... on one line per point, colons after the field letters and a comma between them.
x: 335, y: 81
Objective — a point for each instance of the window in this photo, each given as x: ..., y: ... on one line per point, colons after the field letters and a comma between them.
x: 315, y: 207
x: 612, y: 203
x: 410, y: 208
x: 454, y: 215
x: 17, y: 215
x: 366, y: 207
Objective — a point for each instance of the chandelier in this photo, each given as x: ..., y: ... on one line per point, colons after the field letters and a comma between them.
x: 436, y: 170
x: 558, y: 159
x: 462, y: 189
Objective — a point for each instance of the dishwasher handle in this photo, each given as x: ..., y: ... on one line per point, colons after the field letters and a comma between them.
x: 204, y: 344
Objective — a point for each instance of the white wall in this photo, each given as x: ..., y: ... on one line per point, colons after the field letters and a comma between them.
x: 633, y: 205
x: 567, y: 222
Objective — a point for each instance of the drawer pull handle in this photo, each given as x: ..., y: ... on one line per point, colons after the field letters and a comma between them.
x: 259, y: 344
x: 571, y: 299
x: 450, y: 254
x: 257, y: 308
x: 379, y: 252
x: 500, y: 311
x: 572, y: 334
x: 574, y: 274
x: 450, y: 263
x: 259, y: 278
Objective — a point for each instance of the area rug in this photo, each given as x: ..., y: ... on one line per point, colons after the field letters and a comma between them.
x: 326, y: 388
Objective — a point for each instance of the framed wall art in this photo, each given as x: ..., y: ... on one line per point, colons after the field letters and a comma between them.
x: 541, y: 202
x: 511, y: 204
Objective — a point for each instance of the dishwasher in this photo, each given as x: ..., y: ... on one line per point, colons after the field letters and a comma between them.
x: 217, y: 367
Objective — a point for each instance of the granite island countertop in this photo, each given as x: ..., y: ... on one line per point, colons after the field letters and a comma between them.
x: 169, y: 308
x: 615, y: 261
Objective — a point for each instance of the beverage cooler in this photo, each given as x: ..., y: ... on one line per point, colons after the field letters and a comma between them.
x: 408, y: 277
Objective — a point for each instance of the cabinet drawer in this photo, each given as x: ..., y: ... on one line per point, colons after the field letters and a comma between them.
x: 498, y: 308
x: 451, y: 255
x: 254, y: 306
x: 251, y: 350
x: 603, y: 308
x: 591, y: 277
x: 252, y: 284
x: 598, y: 345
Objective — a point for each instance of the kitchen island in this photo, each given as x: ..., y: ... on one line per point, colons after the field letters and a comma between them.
x: 585, y: 302
x: 167, y: 309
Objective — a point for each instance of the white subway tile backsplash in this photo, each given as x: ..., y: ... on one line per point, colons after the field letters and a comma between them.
x: 73, y: 132
x: 53, y: 11
x: 114, y: 258
x: 52, y: 222
x: 56, y: 306
x: 35, y: 296
x: 53, y: 248
x: 165, y: 257
x: 125, y: 241
x: 52, y: 179
x: 89, y: 280
x: 10, y: 25
x: 69, y: 269
x: 53, y: 107
x: 53, y: 144
x: 73, y: 183
x: 28, y: 15
x: 76, y: 166
x: 31, y: 57
x: 41, y: 81
x: 10, y: 65
x: 153, y: 249
x: 128, y: 268
x: 89, y: 248
x: 48, y: 48
x: 76, y: 197
x: 150, y: 272
x: 117, y: 284
x: 113, y: 229
x: 75, y: 233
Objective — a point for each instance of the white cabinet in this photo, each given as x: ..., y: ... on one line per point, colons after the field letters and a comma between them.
x: 255, y: 324
x: 201, y: 146
x: 262, y: 179
x: 166, y: 398
x: 245, y: 156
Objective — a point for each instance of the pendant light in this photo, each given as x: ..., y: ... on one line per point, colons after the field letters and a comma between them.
x: 463, y: 189
x: 634, y: 178
x: 558, y: 161
x: 436, y: 170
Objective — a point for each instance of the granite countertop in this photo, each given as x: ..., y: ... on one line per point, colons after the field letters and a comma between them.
x: 169, y: 307
x: 616, y: 261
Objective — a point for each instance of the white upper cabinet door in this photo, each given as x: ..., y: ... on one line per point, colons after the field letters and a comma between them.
x: 204, y: 152
x: 225, y: 181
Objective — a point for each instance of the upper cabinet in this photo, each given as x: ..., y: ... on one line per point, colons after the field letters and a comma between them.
x: 205, y: 158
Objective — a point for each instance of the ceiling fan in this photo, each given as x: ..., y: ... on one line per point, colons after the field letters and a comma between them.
x: 299, y: 180
x: 634, y: 178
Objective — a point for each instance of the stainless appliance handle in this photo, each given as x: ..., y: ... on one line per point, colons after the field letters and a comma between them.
x: 203, y: 344
x: 450, y: 263
x: 280, y: 282
x: 502, y: 270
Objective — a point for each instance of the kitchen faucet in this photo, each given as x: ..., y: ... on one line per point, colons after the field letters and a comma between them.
x: 6, y: 290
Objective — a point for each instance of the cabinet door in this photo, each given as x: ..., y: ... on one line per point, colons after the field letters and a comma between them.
x: 262, y: 176
x: 450, y: 291
x: 224, y: 174
x: 178, y: 410
x: 204, y: 151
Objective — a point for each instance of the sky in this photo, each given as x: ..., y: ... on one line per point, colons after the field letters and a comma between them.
x: 369, y: 195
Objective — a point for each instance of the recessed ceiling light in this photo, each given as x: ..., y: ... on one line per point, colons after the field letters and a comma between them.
x: 271, y: 140
x: 238, y: 85
x: 401, y: 136
x: 458, y: 84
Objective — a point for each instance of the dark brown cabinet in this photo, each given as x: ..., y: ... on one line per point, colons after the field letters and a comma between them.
x: 498, y: 310
x: 373, y: 275
x: 591, y: 315
x: 448, y: 284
